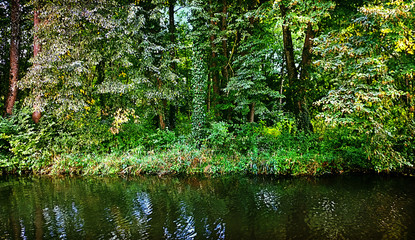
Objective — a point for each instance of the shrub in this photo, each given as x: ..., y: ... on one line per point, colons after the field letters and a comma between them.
x: 26, y: 143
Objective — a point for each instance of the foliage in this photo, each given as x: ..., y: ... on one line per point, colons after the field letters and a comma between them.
x: 130, y: 87
x: 256, y: 69
x: 368, y: 95
x: 198, y: 86
x: 21, y: 138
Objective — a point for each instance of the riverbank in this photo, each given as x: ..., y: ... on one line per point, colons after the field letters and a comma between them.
x: 192, y: 161
x: 57, y: 149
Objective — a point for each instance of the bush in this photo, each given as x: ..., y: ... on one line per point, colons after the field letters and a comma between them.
x: 218, y: 136
x: 25, y: 143
x: 347, y: 146
x: 143, y: 135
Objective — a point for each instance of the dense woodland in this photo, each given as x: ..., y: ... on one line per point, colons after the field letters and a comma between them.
x: 191, y: 86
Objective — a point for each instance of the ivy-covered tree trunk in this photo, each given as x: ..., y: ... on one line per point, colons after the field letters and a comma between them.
x: 36, y: 49
x: 14, y: 55
x: 296, y: 96
x: 199, y: 81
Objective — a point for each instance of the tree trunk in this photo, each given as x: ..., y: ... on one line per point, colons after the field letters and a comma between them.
x: 209, y: 87
x: 172, y: 28
x: 162, y: 123
x: 225, y: 43
x: 172, y: 31
x: 14, y: 56
x: 225, y: 70
x: 307, y: 50
x: 213, y: 65
x: 162, y: 106
x: 251, y: 118
x: 252, y: 112
x: 288, y: 48
x: 215, y: 80
x: 36, y: 49
x: 304, y: 115
x: 296, y: 99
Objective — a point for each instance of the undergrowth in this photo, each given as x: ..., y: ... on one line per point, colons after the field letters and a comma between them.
x: 85, y: 148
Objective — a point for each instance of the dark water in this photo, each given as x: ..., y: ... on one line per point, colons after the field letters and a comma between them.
x: 232, y: 207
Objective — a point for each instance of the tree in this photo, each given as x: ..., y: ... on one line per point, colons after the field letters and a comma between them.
x: 252, y: 85
x: 98, y: 57
x: 372, y: 65
x: 303, y: 15
x: 14, y: 55
x: 36, y: 49
x: 4, y: 51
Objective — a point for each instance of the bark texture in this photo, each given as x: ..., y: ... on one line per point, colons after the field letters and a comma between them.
x: 251, y: 112
x: 36, y: 49
x: 14, y: 56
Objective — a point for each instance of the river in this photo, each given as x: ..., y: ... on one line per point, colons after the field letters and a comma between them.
x: 203, y: 207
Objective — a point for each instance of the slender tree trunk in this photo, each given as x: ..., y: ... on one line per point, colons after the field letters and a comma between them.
x: 161, y: 121
x: 213, y: 65
x: 225, y: 70
x: 252, y: 112
x: 36, y: 42
x: 288, y: 48
x: 251, y: 117
x: 209, y: 93
x: 14, y: 56
x: 162, y: 106
x: 215, y: 80
x: 36, y: 49
x: 172, y: 31
x: 225, y: 42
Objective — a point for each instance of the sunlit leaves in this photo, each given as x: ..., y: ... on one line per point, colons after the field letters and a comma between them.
x: 304, y: 11
x: 368, y: 62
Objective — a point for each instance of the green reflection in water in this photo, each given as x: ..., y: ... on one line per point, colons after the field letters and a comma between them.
x: 228, y: 207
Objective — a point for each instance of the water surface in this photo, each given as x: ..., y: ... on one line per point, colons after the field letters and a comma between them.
x: 229, y: 207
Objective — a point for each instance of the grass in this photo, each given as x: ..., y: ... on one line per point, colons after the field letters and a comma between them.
x: 184, y: 161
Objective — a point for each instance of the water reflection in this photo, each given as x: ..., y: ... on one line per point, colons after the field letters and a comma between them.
x: 229, y: 207
x: 269, y: 199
